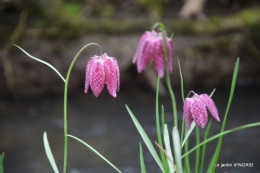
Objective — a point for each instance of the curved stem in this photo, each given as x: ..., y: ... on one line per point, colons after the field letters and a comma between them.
x: 65, y: 104
x: 168, y: 80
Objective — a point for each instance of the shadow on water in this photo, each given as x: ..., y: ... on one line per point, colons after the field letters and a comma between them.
x: 105, y: 124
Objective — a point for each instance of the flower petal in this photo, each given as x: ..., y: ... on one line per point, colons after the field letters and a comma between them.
x: 117, y: 72
x: 87, y: 77
x: 97, y: 77
x: 158, y: 59
x: 146, y: 54
x: 210, y: 105
x: 112, y: 75
x: 186, y: 111
x: 140, y: 46
x: 199, y: 113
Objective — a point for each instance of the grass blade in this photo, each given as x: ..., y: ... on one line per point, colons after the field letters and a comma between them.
x: 182, y: 95
x: 211, y: 163
x: 168, y: 149
x: 163, y: 158
x: 234, y: 79
x: 197, y: 158
x: 204, y: 147
x: 158, y: 127
x: 193, y: 124
x: 43, y: 62
x: 143, y: 170
x: 177, y: 148
x: 2, y: 156
x: 96, y: 152
x: 221, y: 134
x: 187, y: 159
x: 212, y: 92
x: 182, y: 88
x: 49, y: 153
x: 146, y: 139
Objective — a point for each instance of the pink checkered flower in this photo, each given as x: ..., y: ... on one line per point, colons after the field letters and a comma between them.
x: 151, y: 48
x: 102, y: 70
x: 194, y: 109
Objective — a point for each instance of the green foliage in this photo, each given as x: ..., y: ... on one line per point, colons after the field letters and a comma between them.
x: 71, y: 9
x: 2, y: 156
x: 143, y: 169
x: 233, y: 84
x: 108, y: 10
x: 95, y: 151
x: 168, y: 149
x: 204, y: 147
x: 49, y: 153
x: 146, y: 139
x: 155, y: 7
x: 177, y: 148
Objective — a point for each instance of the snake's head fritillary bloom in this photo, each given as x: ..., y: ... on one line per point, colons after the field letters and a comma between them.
x: 102, y: 70
x: 150, y: 48
x: 195, y: 109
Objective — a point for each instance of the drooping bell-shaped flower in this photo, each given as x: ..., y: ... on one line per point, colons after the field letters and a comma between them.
x: 102, y: 70
x: 150, y: 48
x: 195, y: 109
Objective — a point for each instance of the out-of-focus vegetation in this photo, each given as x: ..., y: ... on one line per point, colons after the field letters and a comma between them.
x: 232, y: 26
x: 72, y: 19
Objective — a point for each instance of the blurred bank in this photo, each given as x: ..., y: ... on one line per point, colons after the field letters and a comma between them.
x: 207, y: 43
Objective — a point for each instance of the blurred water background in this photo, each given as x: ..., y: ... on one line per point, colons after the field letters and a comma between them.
x: 207, y: 42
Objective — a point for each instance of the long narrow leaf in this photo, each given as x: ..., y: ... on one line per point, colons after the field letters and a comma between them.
x: 163, y: 158
x: 146, y: 139
x: 143, y: 170
x: 221, y: 134
x: 197, y: 158
x: 204, y: 146
x: 212, y: 92
x: 158, y: 127
x: 95, y: 151
x: 168, y: 149
x: 210, y: 164
x: 234, y: 79
x: 187, y: 158
x: 177, y: 148
x: 49, y: 153
x: 43, y: 62
x: 2, y: 156
x: 182, y: 95
x: 182, y: 88
x: 193, y: 124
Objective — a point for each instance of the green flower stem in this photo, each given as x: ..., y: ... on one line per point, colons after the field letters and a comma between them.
x: 158, y: 128
x: 168, y: 81
x: 65, y: 104
x: 174, y: 107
